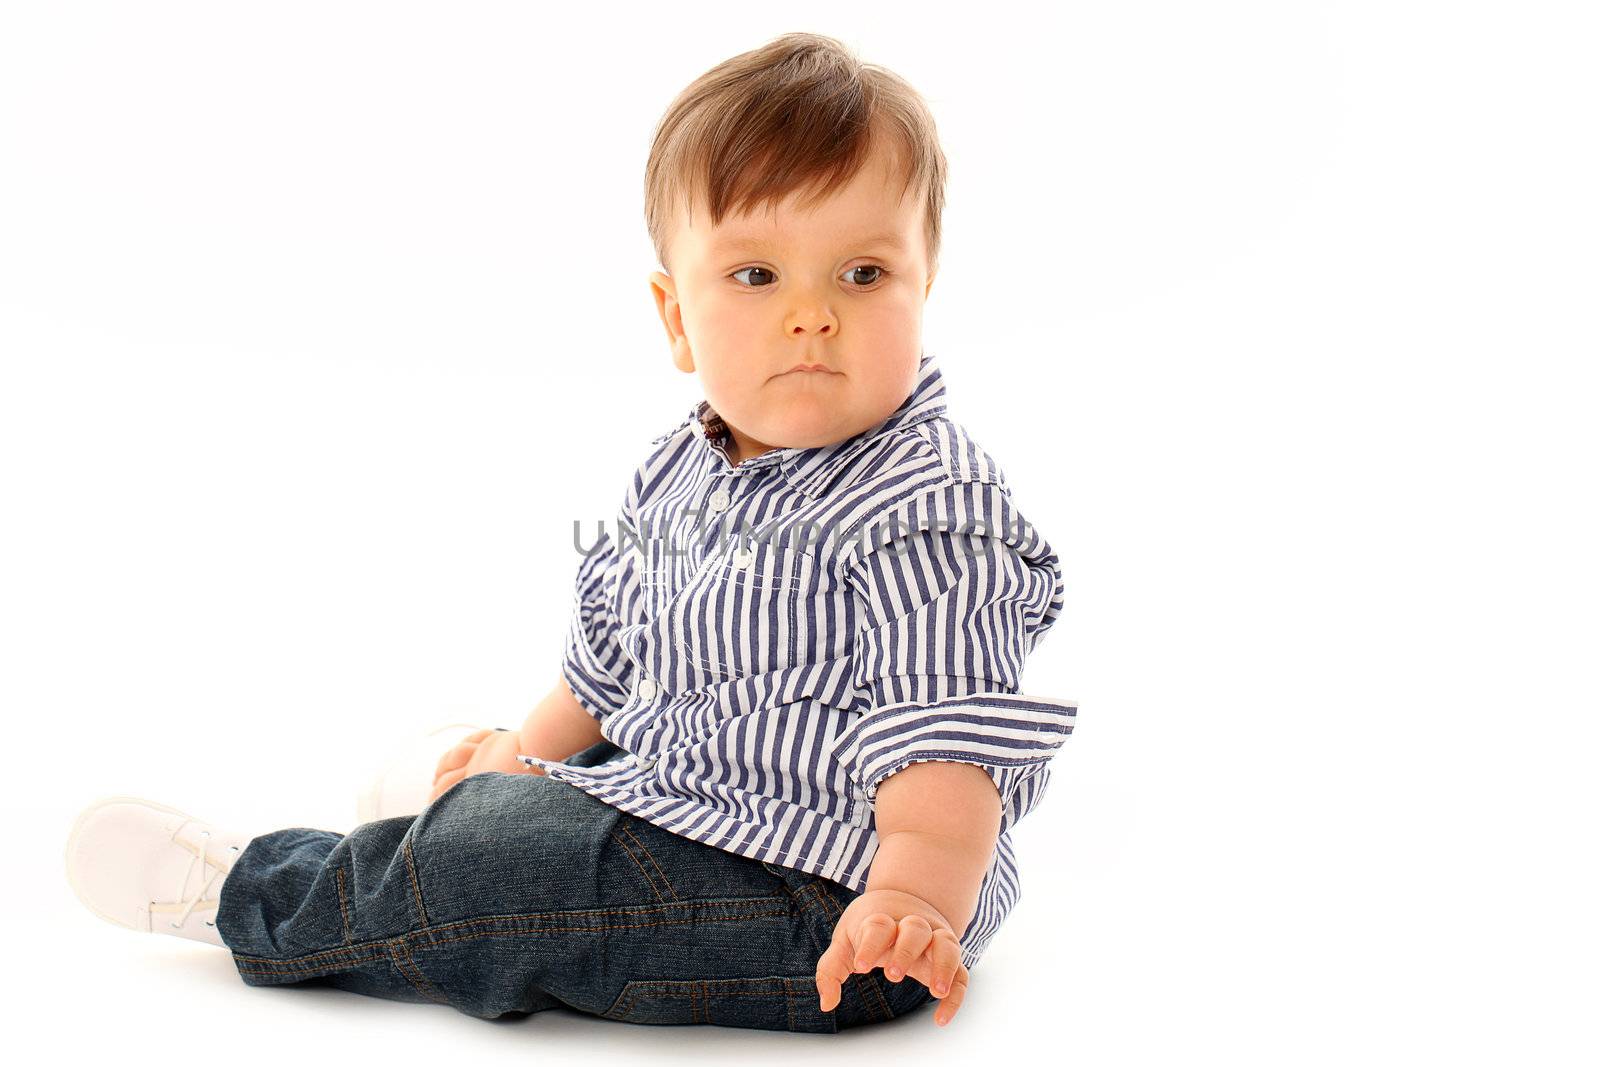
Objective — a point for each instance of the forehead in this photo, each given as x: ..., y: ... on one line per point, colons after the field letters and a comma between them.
x: 739, y: 240
x: 872, y: 208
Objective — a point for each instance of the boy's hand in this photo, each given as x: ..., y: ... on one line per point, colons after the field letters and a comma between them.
x: 906, y: 936
x: 485, y: 750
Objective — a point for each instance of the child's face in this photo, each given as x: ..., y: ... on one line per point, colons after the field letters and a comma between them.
x: 756, y: 295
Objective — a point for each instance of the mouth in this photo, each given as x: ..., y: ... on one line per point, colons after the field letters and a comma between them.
x: 809, y: 368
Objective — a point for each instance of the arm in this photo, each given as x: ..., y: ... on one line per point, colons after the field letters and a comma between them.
x: 937, y: 826
x: 946, y: 622
x: 557, y: 727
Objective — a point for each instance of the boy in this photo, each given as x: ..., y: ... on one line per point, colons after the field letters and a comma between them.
x: 788, y: 704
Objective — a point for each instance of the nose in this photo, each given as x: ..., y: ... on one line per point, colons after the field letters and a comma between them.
x: 812, y: 316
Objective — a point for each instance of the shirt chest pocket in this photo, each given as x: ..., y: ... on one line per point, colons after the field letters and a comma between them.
x: 746, y: 611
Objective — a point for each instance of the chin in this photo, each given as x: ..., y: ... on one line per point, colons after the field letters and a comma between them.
x: 808, y: 433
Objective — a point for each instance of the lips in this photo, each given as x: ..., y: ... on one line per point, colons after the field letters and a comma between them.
x: 817, y: 367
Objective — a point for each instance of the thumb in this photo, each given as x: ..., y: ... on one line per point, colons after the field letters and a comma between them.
x: 834, y: 968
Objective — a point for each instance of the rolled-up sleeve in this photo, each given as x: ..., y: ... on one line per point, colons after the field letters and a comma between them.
x: 946, y: 622
x: 594, y: 664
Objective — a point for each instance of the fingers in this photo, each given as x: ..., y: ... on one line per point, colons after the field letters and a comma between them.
x: 460, y: 752
x: 939, y: 968
x: 946, y: 952
x: 909, y: 947
x: 445, y: 781
x: 833, y: 970
x: 951, y: 1002
x: 456, y: 757
x: 874, y: 937
x: 497, y: 752
x: 913, y: 937
x: 949, y: 976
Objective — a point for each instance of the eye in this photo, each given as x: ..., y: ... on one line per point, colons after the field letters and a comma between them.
x: 759, y: 270
x: 756, y: 281
x: 867, y: 267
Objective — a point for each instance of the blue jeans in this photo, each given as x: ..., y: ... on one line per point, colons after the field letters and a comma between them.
x: 514, y: 893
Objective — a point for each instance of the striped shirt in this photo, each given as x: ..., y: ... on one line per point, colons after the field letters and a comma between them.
x: 768, y: 641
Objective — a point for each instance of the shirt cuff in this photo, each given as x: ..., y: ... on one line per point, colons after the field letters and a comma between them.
x: 1009, y: 735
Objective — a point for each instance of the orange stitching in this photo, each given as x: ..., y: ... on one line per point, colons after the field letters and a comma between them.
x: 344, y: 913
x: 635, y: 838
x: 604, y: 929
x: 874, y: 983
x: 416, y: 887
x: 628, y: 852
x: 822, y: 900
x: 641, y: 909
x: 266, y: 966
x: 397, y: 951
x: 353, y: 957
x: 700, y: 996
x: 698, y: 990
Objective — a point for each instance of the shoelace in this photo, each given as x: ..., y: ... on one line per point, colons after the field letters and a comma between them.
x: 199, y: 894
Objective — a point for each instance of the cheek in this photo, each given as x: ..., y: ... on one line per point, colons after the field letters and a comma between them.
x: 891, y: 382
x: 893, y: 330
x: 902, y: 303
x: 723, y: 322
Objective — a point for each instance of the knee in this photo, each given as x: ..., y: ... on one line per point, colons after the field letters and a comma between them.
x: 477, y: 848
x: 477, y: 816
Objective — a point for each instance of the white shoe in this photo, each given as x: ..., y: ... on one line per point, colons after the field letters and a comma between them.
x: 402, y: 786
x: 151, y: 868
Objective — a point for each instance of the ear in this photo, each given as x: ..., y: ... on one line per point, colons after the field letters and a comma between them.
x: 665, y: 292
x: 932, y: 273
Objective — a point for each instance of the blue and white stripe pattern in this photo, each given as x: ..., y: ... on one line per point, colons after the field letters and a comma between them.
x: 770, y: 641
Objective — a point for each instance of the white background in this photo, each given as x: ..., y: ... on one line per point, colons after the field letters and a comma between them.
x: 321, y: 322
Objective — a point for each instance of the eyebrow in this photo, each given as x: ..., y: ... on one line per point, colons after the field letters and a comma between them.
x: 889, y: 240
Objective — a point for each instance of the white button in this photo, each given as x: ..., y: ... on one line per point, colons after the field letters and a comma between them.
x: 744, y: 559
x: 644, y: 762
x: 647, y: 688
x: 719, y: 500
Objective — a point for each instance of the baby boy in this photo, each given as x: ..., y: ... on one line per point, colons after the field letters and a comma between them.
x: 797, y: 664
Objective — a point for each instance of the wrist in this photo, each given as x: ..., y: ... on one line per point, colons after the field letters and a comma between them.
x: 945, y: 872
x: 508, y: 745
x: 907, y: 903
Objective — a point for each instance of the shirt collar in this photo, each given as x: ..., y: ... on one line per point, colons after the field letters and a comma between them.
x: 813, y: 470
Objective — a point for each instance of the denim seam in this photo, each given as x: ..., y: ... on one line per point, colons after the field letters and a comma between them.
x: 696, y: 989
x: 642, y: 848
x: 806, y: 908
x: 400, y: 955
x: 699, y: 990
x: 469, y: 935
x: 416, y: 887
x: 628, y: 851
x: 344, y: 911
x: 362, y: 952
x: 813, y: 897
x: 332, y: 959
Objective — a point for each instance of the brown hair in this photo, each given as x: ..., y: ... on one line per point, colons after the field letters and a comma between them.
x: 800, y: 111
